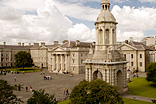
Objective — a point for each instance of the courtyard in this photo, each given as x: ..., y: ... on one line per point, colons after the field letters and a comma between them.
x: 36, y: 80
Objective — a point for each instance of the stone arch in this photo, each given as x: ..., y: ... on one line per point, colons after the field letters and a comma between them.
x: 97, y: 75
x: 107, y: 36
x: 101, y: 36
x: 113, y: 36
x: 119, y: 79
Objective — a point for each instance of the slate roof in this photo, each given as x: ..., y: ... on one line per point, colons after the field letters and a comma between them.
x: 139, y: 46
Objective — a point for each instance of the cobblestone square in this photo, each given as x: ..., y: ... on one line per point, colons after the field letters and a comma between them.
x: 36, y: 80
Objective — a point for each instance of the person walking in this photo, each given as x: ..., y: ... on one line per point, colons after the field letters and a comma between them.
x: 15, y: 79
x: 67, y: 93
x: 26, y: 88
x: 64, y: 91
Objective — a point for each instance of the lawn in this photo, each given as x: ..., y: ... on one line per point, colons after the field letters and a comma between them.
x: 140, y: 87
x: 26, y: 70
x: 126, y: 101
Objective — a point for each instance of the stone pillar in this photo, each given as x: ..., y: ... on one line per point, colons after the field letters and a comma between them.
x: 57, y: 58
x: 61, y: 63
x: 104, y: 74
x: 107, y: 75
x: 54, y: 62
x: 87, y: 75
x: 66, y: 63
x: 113, y: 77
x: 90, y: 75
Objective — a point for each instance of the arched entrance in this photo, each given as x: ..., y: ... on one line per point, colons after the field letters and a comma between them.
x: 119, y: 79
x: 97, y: 75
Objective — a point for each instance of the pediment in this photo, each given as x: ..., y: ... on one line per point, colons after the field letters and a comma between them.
x: 58, y: 49
x: 127, y: 47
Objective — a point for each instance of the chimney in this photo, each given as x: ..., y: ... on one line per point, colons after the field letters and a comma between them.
x: 56, y: 42
x: 22, y: 44
x: 64, y: 41
x: 4, y: 43
x: 36, y: 44
x: 19, y: 43
x: 42, y: 43
x: 29, y: 44
x: 131, y: 39
x: 126, y: 41
x: 77, y: 43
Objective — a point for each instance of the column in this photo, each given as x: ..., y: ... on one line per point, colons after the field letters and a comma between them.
x: 66, y: 63
x: 87, y: 75
x: 53, y: 62
x: 62, y: 64
x: 113, y: 76
x: 57, y: 58
x: 111, y: 37
x: 107, y: 75
x: 104, y: 75
x: 90, y: 75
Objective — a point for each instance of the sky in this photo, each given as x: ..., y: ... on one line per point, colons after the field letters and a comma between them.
x: 31, y: 21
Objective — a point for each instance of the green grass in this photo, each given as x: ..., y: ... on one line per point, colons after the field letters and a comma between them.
x: 26, y: 70
x: 131, y: 101
x: 64, y: 102
x: 126, y: 101
x: 140, y: 87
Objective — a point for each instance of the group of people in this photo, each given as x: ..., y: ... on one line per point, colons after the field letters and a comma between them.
x: 47, y: 77
x: 65, y: 91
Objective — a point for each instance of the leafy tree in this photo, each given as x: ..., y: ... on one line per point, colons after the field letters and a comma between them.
x: 39, y: 97
x: 6, y: 94
x: 23, y: 59
x: 95, y: 92
x: 151, y: 72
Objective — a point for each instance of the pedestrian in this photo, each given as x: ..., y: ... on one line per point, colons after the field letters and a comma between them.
x: 23, y: 72
x: 26, y: 88
x: 15, y: 79
x: 43, y: 72
x: 31, y: 88
x: 67, y: 93
x: 64, y: 91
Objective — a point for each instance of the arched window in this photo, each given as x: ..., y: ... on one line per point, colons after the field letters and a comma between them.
x: 101, y: 37
x: 107, y: 36
x: 103, y: 6
x: 106, y: 7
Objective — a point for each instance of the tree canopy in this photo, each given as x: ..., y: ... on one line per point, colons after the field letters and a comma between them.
x: 95, y: 92
x: 6, y: 94
x: 40, y: 97
x: 23, y: 59
x: 151, y: 72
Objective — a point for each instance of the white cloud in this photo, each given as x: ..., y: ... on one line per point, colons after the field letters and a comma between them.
x: 78, y: 11
x: 81, y: 32
x: 134, y: 21
x: 151, y: 1
x: 48, y: 25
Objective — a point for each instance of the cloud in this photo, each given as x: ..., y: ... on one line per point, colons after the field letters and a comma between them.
x: 81, y: 32
x: 48, y: 25
x: 133, y: 22
x: 78, y: 11
x: 151, y: 1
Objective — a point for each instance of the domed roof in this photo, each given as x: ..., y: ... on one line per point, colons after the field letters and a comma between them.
x: 105, y: 1
x: 106, y: 16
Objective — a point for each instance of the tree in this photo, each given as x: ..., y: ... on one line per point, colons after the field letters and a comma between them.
x: 95, y: 92
x: 39, y: 97
x: 23, y: 59
x: 6, y: 94
x: 151, y: 72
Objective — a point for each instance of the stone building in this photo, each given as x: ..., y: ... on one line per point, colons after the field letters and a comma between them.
x: 149, y: 41
x: 137, y: 54
x: 106, y: 62
x: 7, y: 53
x: 68, y: 57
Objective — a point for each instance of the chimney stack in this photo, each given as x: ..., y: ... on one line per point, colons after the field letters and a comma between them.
x: 126, y: 41
x: 56, y: 42
x: 131, y: 39
x: 19, y: 43
x: 29, y: 44
x: 22, y: 44
x: 4, y: 43
x: 42, y: 43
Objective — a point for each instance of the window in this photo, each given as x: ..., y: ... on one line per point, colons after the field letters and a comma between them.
x: 73, y: 54
x: 73, y: 61
x: 131, y: 63
x: 140, y: 55
x: 125, y: 55
x: 131, y: 55
x: 140, y: 63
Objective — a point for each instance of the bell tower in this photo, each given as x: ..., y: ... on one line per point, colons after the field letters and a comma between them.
x: 105, y: 28
x: 106, y: 62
